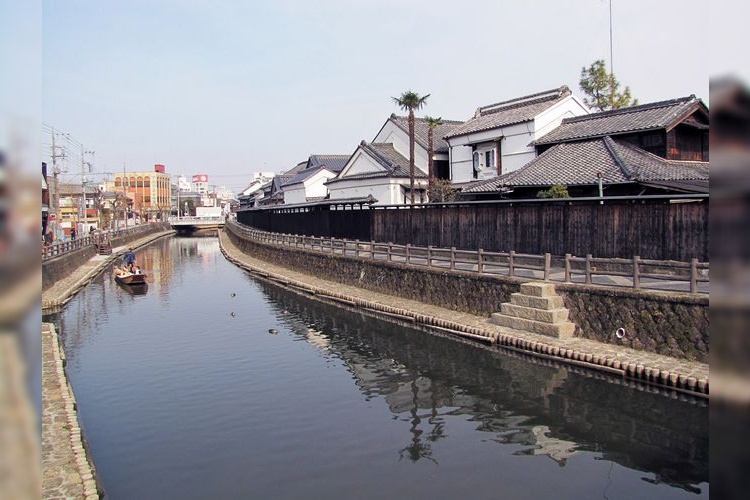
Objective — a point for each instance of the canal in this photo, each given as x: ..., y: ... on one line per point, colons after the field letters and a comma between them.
x: 213, y: 384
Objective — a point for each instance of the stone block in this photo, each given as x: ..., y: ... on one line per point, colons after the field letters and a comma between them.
x: 542, y: 315
x: 537, y: 289
x: 558, y: 330
x: 553, y: 302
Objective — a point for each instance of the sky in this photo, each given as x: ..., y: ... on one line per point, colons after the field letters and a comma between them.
x: 229, y: 88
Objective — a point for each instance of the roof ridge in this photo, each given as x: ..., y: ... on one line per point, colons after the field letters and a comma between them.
x: 417, y: 118
x: 610, y: 144
x: 525, y: 100
x: 631, y: 109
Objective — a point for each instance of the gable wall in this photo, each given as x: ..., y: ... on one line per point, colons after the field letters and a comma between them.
x: 392, y: 134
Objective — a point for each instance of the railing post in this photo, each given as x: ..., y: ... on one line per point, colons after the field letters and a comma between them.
x: 588, y: 268
x: 693, y: 275
x: 547, y: 265
x: 408, y: 251
x: 480, y: 261
x: 511, y: 264
x: 333, y: 244
x: 372, y: 249
x: 636, y: 272
x: 356, y: 246
x: 429, y: 255
x: 567, y: 268
x: 453, y: 258
x: 390, y: 251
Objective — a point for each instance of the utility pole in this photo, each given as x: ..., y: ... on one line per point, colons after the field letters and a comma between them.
x: 82, y: 208
x: 56, y: 182
x: 125, y: 196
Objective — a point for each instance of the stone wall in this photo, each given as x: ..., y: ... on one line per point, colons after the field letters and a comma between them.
x: 61, y: 266
x: 671, y: 324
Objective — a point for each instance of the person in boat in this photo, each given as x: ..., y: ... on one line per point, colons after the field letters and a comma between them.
x: 129, y: 259
x: 138, y: 270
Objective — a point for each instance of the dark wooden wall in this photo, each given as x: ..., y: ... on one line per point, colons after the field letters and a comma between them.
x: 652, y: 230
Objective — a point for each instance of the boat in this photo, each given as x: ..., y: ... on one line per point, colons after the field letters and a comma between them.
x: 125, y: 277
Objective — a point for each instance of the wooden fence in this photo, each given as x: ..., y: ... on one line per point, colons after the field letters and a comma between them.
x: 638, y: 273
x: 654, y: 227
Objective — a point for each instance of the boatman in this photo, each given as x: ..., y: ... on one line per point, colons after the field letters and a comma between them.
x: 129, y: 259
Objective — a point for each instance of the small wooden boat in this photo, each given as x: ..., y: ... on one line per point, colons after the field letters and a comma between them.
x: 125, y: 277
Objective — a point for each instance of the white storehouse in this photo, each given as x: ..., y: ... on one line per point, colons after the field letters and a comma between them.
x: 380, y: 171
x: 310, y: 183
x: 499, y: 138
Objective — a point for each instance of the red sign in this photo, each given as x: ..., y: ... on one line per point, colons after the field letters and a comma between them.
x: 200, y: 178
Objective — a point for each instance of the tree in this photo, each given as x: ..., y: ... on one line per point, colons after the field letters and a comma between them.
x: 555, y: 191
x: 602, y: 88
x: 432, y: 123
x: 409, y: 101
x: 442, y: 190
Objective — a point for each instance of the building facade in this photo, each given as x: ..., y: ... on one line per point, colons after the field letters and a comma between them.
x: 150, y: 192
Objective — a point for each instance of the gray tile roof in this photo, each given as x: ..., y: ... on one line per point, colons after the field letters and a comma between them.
x: 422, y: 130
x: 656, y: 115
x: 300, y: 177
x: 334, y: 163
x: 577, y: 163
x: 510, y: 112
x: 385, y: 154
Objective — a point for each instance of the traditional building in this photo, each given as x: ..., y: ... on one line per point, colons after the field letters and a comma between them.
x: 656, y: 148
x: 379, y: 171
x: 498, y: 139
x: 310, y: 183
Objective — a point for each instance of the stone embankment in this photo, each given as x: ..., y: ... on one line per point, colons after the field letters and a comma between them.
x: 656, y: 371
x: 67, y: 469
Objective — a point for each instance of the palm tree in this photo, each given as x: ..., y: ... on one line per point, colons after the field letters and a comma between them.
x: 409, y: 101
x: 432, y: 123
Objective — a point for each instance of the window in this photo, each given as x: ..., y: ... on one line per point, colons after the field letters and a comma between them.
x: 489, y: 158
x: 476, y: 164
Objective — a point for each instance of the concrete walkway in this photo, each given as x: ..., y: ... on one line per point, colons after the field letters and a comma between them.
x: 675, y: 376
x: 67, y: 471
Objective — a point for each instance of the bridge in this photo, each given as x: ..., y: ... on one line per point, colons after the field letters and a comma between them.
x: 191, y: 223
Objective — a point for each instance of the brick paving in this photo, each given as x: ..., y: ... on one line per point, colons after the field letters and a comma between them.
x: 638, y: 366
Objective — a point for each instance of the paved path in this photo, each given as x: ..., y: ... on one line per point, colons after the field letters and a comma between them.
x: 621, y: 361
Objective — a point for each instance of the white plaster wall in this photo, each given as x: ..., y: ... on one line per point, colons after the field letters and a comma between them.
x: 551, y: 118
x: 315, y: 184
x: 380, y: 189
x: 393, y: 134
x: 294, y: 194
x: 361, y: 163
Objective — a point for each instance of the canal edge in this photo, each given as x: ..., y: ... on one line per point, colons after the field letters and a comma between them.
x: 674, y: 382
x: 80, y: 463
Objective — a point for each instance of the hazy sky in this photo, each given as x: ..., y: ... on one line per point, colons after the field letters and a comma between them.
x: 228, y: 88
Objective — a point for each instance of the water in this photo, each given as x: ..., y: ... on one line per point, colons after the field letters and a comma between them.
x: 184, y: 393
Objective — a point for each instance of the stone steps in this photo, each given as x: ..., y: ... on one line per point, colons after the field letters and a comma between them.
x: 536, y: 309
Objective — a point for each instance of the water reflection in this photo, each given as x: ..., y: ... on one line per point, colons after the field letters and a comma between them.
x: 548, y: 410
x: 216, y: 385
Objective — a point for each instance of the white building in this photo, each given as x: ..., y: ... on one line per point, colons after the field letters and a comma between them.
x: 380, y: 171
x: 310, y: 183
x: 499, y: 138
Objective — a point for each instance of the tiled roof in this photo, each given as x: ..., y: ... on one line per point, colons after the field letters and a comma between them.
x: 650, y: 116
x: 422, y: 130
x: 385, y: 154
x: 334, y: 163
x: 510, y: 112
x: 577, y: 163
x: 306, y: 173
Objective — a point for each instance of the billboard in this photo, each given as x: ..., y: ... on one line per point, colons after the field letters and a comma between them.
x: 200, y: 178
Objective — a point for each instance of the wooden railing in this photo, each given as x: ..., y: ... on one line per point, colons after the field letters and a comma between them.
x: 63, y: 247
x: 633, y: 273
